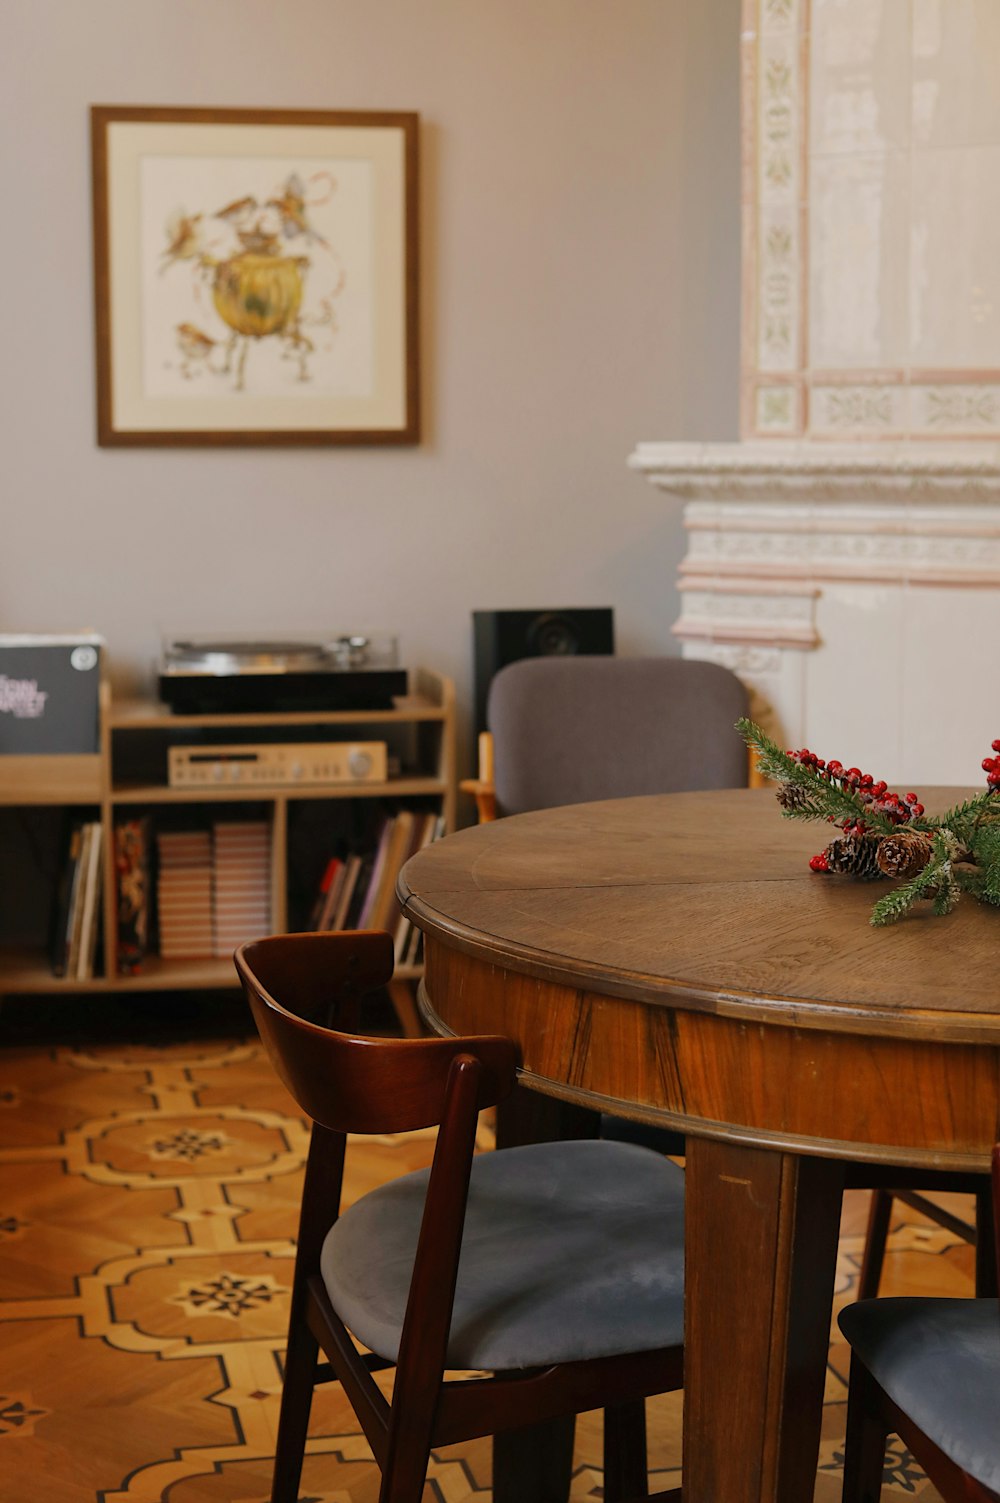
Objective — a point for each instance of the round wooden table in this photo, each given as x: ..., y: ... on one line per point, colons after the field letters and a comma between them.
x: 673, y: 959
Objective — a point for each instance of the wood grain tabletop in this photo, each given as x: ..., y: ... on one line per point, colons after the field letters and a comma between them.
x: 706, y: 901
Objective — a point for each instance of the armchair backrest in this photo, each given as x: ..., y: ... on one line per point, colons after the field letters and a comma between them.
x: 575, y: 729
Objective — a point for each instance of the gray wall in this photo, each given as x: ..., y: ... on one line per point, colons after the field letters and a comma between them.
x: 580, y: 234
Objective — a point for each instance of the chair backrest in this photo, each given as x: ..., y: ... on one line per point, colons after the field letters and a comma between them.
x: 348, y: 1082
x: 575, y: 729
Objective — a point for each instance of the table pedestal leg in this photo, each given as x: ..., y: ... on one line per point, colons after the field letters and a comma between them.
x: 761, y: 1251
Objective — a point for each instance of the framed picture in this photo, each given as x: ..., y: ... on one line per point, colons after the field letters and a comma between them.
x: 255, y: 276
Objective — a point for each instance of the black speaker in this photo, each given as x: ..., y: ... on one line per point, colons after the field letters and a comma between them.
x: 502, y: 637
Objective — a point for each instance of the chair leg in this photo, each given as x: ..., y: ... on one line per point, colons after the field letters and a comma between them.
x: 625, y: 1468
x: 406, y: 1471
x: 864, y: 1448
x: 986, y: 1248
x: 534, y: 1462
x: 293, y: 1420
x: 879, y: 1214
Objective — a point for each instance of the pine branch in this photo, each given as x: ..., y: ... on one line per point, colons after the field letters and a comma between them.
x: 986, y: 851
x: 825, y: 798
x: 895, y: 904
x: 963, y: 818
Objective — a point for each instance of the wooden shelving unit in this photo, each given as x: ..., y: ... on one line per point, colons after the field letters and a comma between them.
x: 422, y: 723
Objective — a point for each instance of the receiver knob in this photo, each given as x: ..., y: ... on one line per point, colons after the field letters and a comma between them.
x: 360, y: 764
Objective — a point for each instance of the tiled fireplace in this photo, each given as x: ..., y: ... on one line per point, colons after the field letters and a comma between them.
x: 844, y: 557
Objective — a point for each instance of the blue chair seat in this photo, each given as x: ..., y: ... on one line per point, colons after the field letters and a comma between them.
x: 939, y: 1361
x: 570, y: 1251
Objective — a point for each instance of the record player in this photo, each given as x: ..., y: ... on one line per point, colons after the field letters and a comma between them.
x: 232, y: 675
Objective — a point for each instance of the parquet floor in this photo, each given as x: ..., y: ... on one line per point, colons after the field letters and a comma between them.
x: 148, y: 1196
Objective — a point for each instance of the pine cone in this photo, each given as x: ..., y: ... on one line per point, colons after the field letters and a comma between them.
x: 903, y: 855
x: 792, y: 795
x: 854, y: 856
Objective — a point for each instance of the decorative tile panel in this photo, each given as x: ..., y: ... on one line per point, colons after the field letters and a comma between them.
x: 776, y: 409
x: 871, y: 244
x: 868, y: 409
x: 956, y: 408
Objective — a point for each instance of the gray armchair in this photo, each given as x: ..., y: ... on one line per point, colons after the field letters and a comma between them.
x: 576, y: 729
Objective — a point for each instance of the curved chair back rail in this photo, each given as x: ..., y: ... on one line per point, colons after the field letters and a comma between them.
x: 344, y: 1081
x: 578, y: 729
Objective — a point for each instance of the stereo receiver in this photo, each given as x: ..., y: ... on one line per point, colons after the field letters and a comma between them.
x: 280, y: 763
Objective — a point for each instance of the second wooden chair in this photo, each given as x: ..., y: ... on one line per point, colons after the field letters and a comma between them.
x: 556, y: 1268
x: 927, y: 1370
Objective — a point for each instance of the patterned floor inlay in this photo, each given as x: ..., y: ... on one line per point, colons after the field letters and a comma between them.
x: 148, y: 1201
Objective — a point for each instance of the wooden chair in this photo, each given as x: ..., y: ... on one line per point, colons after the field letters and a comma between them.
x: 557, y: 1268
x: 927, y: 1370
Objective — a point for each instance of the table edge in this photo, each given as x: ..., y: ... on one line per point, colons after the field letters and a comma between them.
x: 750, y: 1007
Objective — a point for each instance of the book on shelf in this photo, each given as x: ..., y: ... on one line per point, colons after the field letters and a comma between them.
x: 348, y: 887
x: 131, y: 852
x: 76, y: 918
x: 184, y: 894
x: 322, y: 892
x: 241, y: 882
x: 65, y: 892
x: 425, y: 829
x: 84, y: 910
x: 374, y: 868
x: 74, y: 931
x: 334, y: 877
x: 91, y: 905
x: 385, y: 908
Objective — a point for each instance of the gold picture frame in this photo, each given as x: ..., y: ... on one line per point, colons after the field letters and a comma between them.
x: 256, y: 276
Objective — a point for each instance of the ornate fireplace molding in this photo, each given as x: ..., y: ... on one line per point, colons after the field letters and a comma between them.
x: 807, y: 472
x: 801, y: 556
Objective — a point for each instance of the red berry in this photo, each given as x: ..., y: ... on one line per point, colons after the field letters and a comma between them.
x: 818, y: 863
x: 911, y: 798
x: 996, y: 745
